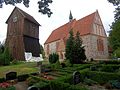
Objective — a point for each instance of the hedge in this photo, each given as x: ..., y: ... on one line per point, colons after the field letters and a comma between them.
x: 102, y: 77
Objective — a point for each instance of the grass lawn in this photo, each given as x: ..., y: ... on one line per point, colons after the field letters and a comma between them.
x: 21, y: 68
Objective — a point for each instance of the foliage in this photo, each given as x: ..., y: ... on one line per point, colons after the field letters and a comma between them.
x: 114, y: 36
x: 53, y: 58
x: 110, y: 68
x: 22, y: 77
x: 5, y: 57
x: 42, y: 85
x: 9, y: 88
x: 102, y: 77
x: 117, y: 52
x: 43, y: 5
x: 2, y: 80
x: 21, y: 68
x: 112, y: 62
x: 42, y: 51
x: 32, y: 80
x: 115, y: 84
x: 57, y: 85
x: 76, y: 87
x: 70, y: 47
x: 89, y: 81
x: 56, y: 65
x: 117, y: 11
x: 79, y: 50
x: 67, y: 63
x: 74, y: 51
x: 1, y: 48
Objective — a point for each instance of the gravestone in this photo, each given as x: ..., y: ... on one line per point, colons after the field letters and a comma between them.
x: 11, y: 75
x: 76, y: 77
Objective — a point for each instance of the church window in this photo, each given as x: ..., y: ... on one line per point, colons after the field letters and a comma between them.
x: 100, y: 45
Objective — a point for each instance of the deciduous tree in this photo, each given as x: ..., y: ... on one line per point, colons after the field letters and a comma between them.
x: 42, y: 4
x: 114, y: 36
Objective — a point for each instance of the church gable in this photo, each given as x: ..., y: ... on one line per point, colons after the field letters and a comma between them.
x: 98, y: 28
x: 90, y: 28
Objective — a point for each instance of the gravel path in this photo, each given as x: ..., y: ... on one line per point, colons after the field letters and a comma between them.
x: 21, y: 86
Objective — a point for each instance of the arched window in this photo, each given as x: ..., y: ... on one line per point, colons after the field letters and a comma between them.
x: 100, y: 45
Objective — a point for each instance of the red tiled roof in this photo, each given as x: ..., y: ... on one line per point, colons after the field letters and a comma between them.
x: 84, y: 26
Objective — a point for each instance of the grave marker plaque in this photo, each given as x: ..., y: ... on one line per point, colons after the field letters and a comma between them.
x: 11, y: 75
x: 76, y: 77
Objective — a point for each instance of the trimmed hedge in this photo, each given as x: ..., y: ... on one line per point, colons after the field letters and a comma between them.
x: 9, y: 88
x: 102, y: 77
x: 112, y: 62
x: 22, y: 77
x: 57, y: 85
x: 2, y: 80
x: 42, y: 85
x: 109, y: 68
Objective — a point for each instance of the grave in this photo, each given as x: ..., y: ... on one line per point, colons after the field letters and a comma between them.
x: 11, y: 75
x: 76, y: 77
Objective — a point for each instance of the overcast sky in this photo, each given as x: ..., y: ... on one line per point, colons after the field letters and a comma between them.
x: 60, y: 16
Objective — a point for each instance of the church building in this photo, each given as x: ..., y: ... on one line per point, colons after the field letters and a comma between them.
x: 91, y: 31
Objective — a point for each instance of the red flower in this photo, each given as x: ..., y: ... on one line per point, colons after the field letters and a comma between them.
x: 4, y: 85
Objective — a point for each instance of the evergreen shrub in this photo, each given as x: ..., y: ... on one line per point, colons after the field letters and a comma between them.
x: 53, y: 58
x: 42, y: 85
x: 22, y: 77
x: 102, y: 77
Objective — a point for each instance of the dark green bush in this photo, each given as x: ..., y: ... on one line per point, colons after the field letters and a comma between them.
x: 115, y: 84
x: 1, y: 59
x: 2, y: 80
x: 76, y: 87
x: 42, y: 85
x: 102, y: 77
x: 66, y: 79
x: 107, y: 69
x: 5, y: 57
x: 22, y: 77
x: 9, y: 88
x: 32, y: 80
x: 57, y: 85
x: 89, y: 81
x: 53, y: 58
x: 112, y: 62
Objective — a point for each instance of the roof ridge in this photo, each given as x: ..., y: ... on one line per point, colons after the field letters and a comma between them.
x: 87, y: 16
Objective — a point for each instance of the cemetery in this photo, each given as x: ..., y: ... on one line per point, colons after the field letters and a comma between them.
x: 104, y: 74
x: 24, y: 66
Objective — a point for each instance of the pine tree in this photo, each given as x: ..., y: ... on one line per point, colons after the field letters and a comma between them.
x: 79, y: 52
x: 75, y: 52
x: 70, y: 47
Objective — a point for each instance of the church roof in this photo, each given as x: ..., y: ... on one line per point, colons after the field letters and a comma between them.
x: 83, y: 25
x: 25, y: 15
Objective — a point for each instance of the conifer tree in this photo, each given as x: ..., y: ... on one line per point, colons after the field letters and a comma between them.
x: 75, y: 52
x: 79, y: 52
x: 70, y: 47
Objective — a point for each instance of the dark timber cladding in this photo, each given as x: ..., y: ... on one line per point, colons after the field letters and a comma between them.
x: 22, y: 34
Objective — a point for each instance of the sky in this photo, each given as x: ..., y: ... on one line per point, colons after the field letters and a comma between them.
x: 61, y: 10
